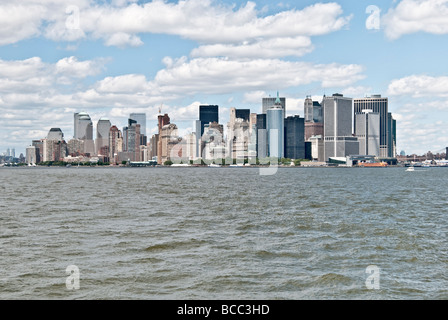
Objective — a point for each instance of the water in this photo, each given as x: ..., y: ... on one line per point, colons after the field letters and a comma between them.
x: 223, y: 233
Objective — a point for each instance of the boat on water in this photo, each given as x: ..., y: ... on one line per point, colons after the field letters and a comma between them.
x: 410, y: 169
x: 374, y: 165
x: 214, y: 165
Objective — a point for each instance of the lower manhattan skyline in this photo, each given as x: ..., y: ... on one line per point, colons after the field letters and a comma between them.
x: 60, y: 59
x: 222, y: 158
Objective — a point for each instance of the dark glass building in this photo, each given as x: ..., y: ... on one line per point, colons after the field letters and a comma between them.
x: 262, y: 139
x: 208, y: 114
x: 242, y: 114
x: 295, y: 137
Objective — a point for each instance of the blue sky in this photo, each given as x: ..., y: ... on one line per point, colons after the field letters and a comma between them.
x: 111, y: 58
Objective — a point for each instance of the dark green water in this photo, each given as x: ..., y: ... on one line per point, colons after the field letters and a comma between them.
x: 223, y: 233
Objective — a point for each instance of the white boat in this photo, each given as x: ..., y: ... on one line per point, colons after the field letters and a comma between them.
x: 214, y: 165
x: 410, y: 169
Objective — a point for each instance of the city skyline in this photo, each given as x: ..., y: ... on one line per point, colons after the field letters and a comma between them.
x: 59, y: 59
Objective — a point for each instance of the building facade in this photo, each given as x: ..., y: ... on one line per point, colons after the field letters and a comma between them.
x: 379, y: 105
x: 275, y: 129
x: 338, y: 138
x: 367, y: 130
x: 294, y: 137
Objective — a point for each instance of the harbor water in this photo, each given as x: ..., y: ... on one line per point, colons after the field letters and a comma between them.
x: 224, y: 233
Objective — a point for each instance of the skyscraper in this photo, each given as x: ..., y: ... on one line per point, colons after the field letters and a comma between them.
x: 163, y: 120
x: 294, y: 137
x: 102, y: 136
x: 338, y: 138
x: 270, y: 102
x: 314, y: 125
x: 275, y: 129
x: 391, y: 136
x: 207, y: 114
x: 141, y: 120
x: 368, y: 132
x: 313, y: 110
x: 31, y: 155
x: 115, y: 143
x: 378, y: 105
x: 55, y: 134
x: 83, y: 130
x: 262, y: 138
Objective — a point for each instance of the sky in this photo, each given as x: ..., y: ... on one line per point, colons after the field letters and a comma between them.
x: 113, y: 58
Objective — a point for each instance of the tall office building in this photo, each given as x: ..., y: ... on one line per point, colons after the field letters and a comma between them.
x: 275, y: 129
x: 31, y: 155
x: 39, y: 145
x: 338, y: 138
x: 368, y: 132
x: 294, y: 137
x: 379, y: 105
x: 133, y: 140
x: 313, y: 110
x: 141, y: 120
x: 207, y: 114
x: 242, y: 114
x: 163, y: 120
x: 83, y: 130
x: 238, y: 134
x: 314, y: 119
x: 55, y: 134
x: 262, y: 137
x: 270, y: 102
x: 391, y: 136
x: 115, y: 143
x: 102, y: 136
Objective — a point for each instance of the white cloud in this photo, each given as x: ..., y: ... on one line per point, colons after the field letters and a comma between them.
x: 122, y: 40
x: 357, y: 92
x: 72, y: 67
x: 130, y: 83
x: 419, y: 86
x: 222, y: 75
x: 411, y: 16
x: 271, y: 48
x: 254, y: 96
x: 207, y: 22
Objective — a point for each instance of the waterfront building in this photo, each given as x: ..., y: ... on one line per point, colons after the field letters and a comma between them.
x: 238, y: 135
x: 115, y: 143
x: 75, y: 147
x: 83, y: 130
x: 140, y: 118
x: 294, y: 140
x: 168, y: 138
x: 207, y: 114
x: 367, y: 130
x: 39, y: 145
x: 275, y: 129
x: 133, y: 140
x: 163, y: 120
x: 55, y: 134
x: 391, y: 136
x: 213, y: 141
x: 54, y: 150
x: 379, y: 105
x: 31, y: 155
x: 102, y: 137
x: 314, y: 119
x: 338, y: 138
x: 262, y: 138
x: 153, y: 146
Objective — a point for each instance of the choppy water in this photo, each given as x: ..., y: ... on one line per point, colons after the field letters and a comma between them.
x: 223, y: 233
